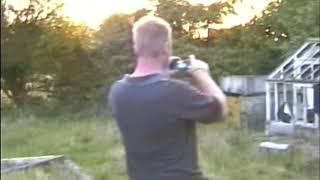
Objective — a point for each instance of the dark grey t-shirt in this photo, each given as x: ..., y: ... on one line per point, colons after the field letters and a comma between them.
x: 156, y: 116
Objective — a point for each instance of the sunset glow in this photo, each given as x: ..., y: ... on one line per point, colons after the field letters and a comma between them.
x: 93, y: 12
x: 245, y: 12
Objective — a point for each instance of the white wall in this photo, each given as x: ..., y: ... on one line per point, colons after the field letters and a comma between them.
x: 244, y: 84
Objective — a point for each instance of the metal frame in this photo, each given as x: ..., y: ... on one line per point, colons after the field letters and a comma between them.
x: 289, y: 75
x: 69, y: 169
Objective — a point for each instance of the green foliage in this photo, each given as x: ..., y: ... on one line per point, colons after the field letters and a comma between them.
x: 68, y: 60
x: 180, y: 13
x: 298, y: 19
x: 43, y: 52
x: 260, y: 46
x: 21, y: 37
x: 114, y: 47
x: 71, y: 63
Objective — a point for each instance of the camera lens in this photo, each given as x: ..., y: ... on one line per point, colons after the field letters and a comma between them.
x: 181, y: 65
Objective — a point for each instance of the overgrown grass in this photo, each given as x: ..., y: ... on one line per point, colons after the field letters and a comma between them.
x: 226, y: 152
x: 234, y: 154
x: 93, y: 143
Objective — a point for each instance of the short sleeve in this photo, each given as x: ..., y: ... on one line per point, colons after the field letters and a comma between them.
x: 191, y: 104
x: 109, y: 99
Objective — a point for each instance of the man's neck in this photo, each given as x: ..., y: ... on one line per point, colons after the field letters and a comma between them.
x: 147, y: 66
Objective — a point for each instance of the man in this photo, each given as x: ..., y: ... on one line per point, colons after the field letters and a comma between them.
x: 156, y: 114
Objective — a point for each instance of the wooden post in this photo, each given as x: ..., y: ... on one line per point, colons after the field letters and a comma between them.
x: 284, y: 93
x: 305, y: 105
x: 276, y: 99
x: 268, y: 103
x: 294, y: 106
x: 316, y: 120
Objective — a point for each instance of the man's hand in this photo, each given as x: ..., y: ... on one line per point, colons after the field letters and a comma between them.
x: 202, y: 80
x: 198, y: 75
x: 196, y: 64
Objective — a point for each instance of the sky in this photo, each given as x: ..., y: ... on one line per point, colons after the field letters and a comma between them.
x: 93, y: 12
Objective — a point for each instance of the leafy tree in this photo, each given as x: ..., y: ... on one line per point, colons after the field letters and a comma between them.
x: 292, y: 22
x: 140, y: 13
x: 21, y: 37
x: 259, y: 46
x: 67, y: 58
x: 185, y: 17
x: 114, y: 45
x: 43, y: 52
x: 4, y: 23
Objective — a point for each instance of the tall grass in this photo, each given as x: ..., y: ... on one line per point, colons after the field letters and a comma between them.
x: 226, y: 152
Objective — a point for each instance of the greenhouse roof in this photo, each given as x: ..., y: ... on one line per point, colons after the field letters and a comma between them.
x: 302, y: 67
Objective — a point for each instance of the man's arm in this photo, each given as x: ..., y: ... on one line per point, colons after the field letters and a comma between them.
x: 204, y: 83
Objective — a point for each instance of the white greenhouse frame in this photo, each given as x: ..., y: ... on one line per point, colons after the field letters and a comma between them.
x: 292, y: 85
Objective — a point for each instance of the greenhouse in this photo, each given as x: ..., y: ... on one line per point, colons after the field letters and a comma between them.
x: 292, y: 92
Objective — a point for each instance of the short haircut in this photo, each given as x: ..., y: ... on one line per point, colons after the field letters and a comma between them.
x: 151, y: 36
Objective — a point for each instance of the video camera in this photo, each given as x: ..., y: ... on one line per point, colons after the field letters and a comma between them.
x: 181, y: 65
x: 177, y: 65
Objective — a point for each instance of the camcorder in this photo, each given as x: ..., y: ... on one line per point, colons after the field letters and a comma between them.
x: 181, y: 65
x: 177, y: 66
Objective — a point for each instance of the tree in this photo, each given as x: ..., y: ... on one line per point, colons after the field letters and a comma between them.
x: 185, y: 17
x: 114, y: 45
x: 43, y: 52
x: 67, y: 57
x: 21, y: 37
x: 140, y: 13
x: 4, y: 23
x: 262, y: 44
x: 292, y: 22
x: 72, y: 63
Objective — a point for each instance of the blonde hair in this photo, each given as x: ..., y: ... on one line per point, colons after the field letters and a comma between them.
x: 151, y: 36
